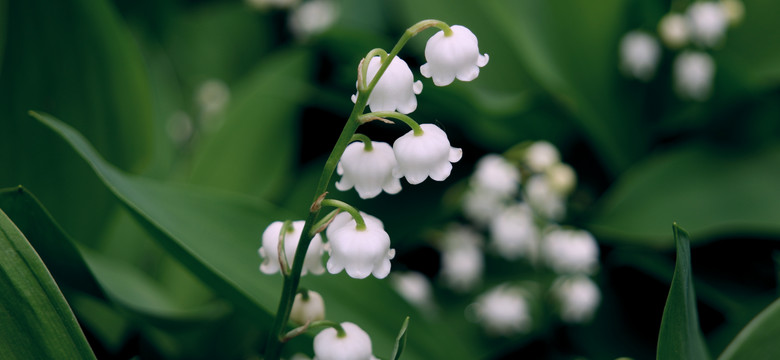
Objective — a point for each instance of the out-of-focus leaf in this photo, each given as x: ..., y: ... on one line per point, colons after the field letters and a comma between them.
x: 754, y: 61
x: 104, y: 279
x: 713, y: 191
x: 216, y: 41
x: 37, y: 322
x: 217, y: 237
x: 680, y: 336
x: 758, y: 340
x: 58, y: 252
x: 253, y: 150
x: 73, y: 58
x: 570, y: 49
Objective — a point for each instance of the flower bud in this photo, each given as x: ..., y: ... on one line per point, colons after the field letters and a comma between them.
x: 310, y: 309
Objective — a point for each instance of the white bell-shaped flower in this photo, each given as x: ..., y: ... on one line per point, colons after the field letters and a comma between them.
x: 543, y: 197
x: 495, y: 174
x: 503, y: 310
x: 571, y: 251
x: 734, y: 10
x: 355, y: 344
x: 541, y: 155
x: 514, y: 233
x: 312, y: 308
x: 415, y: 288
x: 562, y: 178
x: 674, y: 31
x: 369, y: 172
x: 428, y: 154
x: 312, y: 17
x: 270, y: 254
x: 360, y: 252
x: 708, y: 22
x: 481, y: 206
x: 639, y: 55
x: 462, y: 260
x: 453, y: 56
x: 578, y: 298
x: 395, y: 90
x: 693, y: 75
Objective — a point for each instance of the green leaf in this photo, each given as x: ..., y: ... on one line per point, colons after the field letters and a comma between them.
x: 254, y: 149
x: 217, y: 235
x: 758, y: 340
x: 37, y: 322
x: 715, y: 192
x: 400, y: 341
x: 680, y: 336
x: 570, y: 49
x: 76, y: 59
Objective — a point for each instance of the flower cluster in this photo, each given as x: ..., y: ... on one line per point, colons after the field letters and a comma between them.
x: 515, y: 201
x: 700, y: 27
x: 356, y: 242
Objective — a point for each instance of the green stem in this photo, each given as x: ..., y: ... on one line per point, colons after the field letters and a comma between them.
x: 393, y: 115
x: 361, y: 224
x: 367, y: 146
x: 273, y: 346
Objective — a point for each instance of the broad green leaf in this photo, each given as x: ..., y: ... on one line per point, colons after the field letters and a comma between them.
x: 713, y: 191
x: 254, y: 149
x: 76, y: 59
x: 680, y: 336
x: 37, y: 322
x: 104, y: 279
x: 216, y: 236
x: 758, y: 340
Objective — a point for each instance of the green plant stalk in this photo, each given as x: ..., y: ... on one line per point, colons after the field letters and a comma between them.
x: 274, y: 342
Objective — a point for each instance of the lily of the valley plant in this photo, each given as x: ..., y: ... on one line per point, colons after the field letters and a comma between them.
x: 355, y: 241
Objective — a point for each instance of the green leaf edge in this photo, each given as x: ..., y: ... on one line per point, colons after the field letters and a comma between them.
x: 687, y: 344
x: 18, y: 242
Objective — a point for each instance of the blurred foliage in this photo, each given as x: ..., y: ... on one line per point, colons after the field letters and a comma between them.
x: 156, y: 212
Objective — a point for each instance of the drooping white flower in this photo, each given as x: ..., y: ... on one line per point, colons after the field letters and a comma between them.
x: 541, y: 155
x: 415, y: 288
x: 708, y: 23
x: 354, y: 345
x: 481, y: 206
x: 462, y: 261
x: 543, y: 198
x: 313, y: 17
x: 578, y: 298
x: 639, y: 54
x: 693, y: 75
x: 212, y: 96
x: 395, y: 90
x: 453, y: 56
x: 570, y: 251
x: 495, y: 174
x: 734, y: 10
x: 369, y: 172
x: 270, y: 254
x: 561, y: 178
x: 674, y: 31
x: 514, y: 233
x: 429, y: 154
x: 503, y: 310
x: 360, y: 252
x: 310, y: 309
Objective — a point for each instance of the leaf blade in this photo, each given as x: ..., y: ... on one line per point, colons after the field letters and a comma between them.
x: 37, y: 321
x: 680, y: 336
